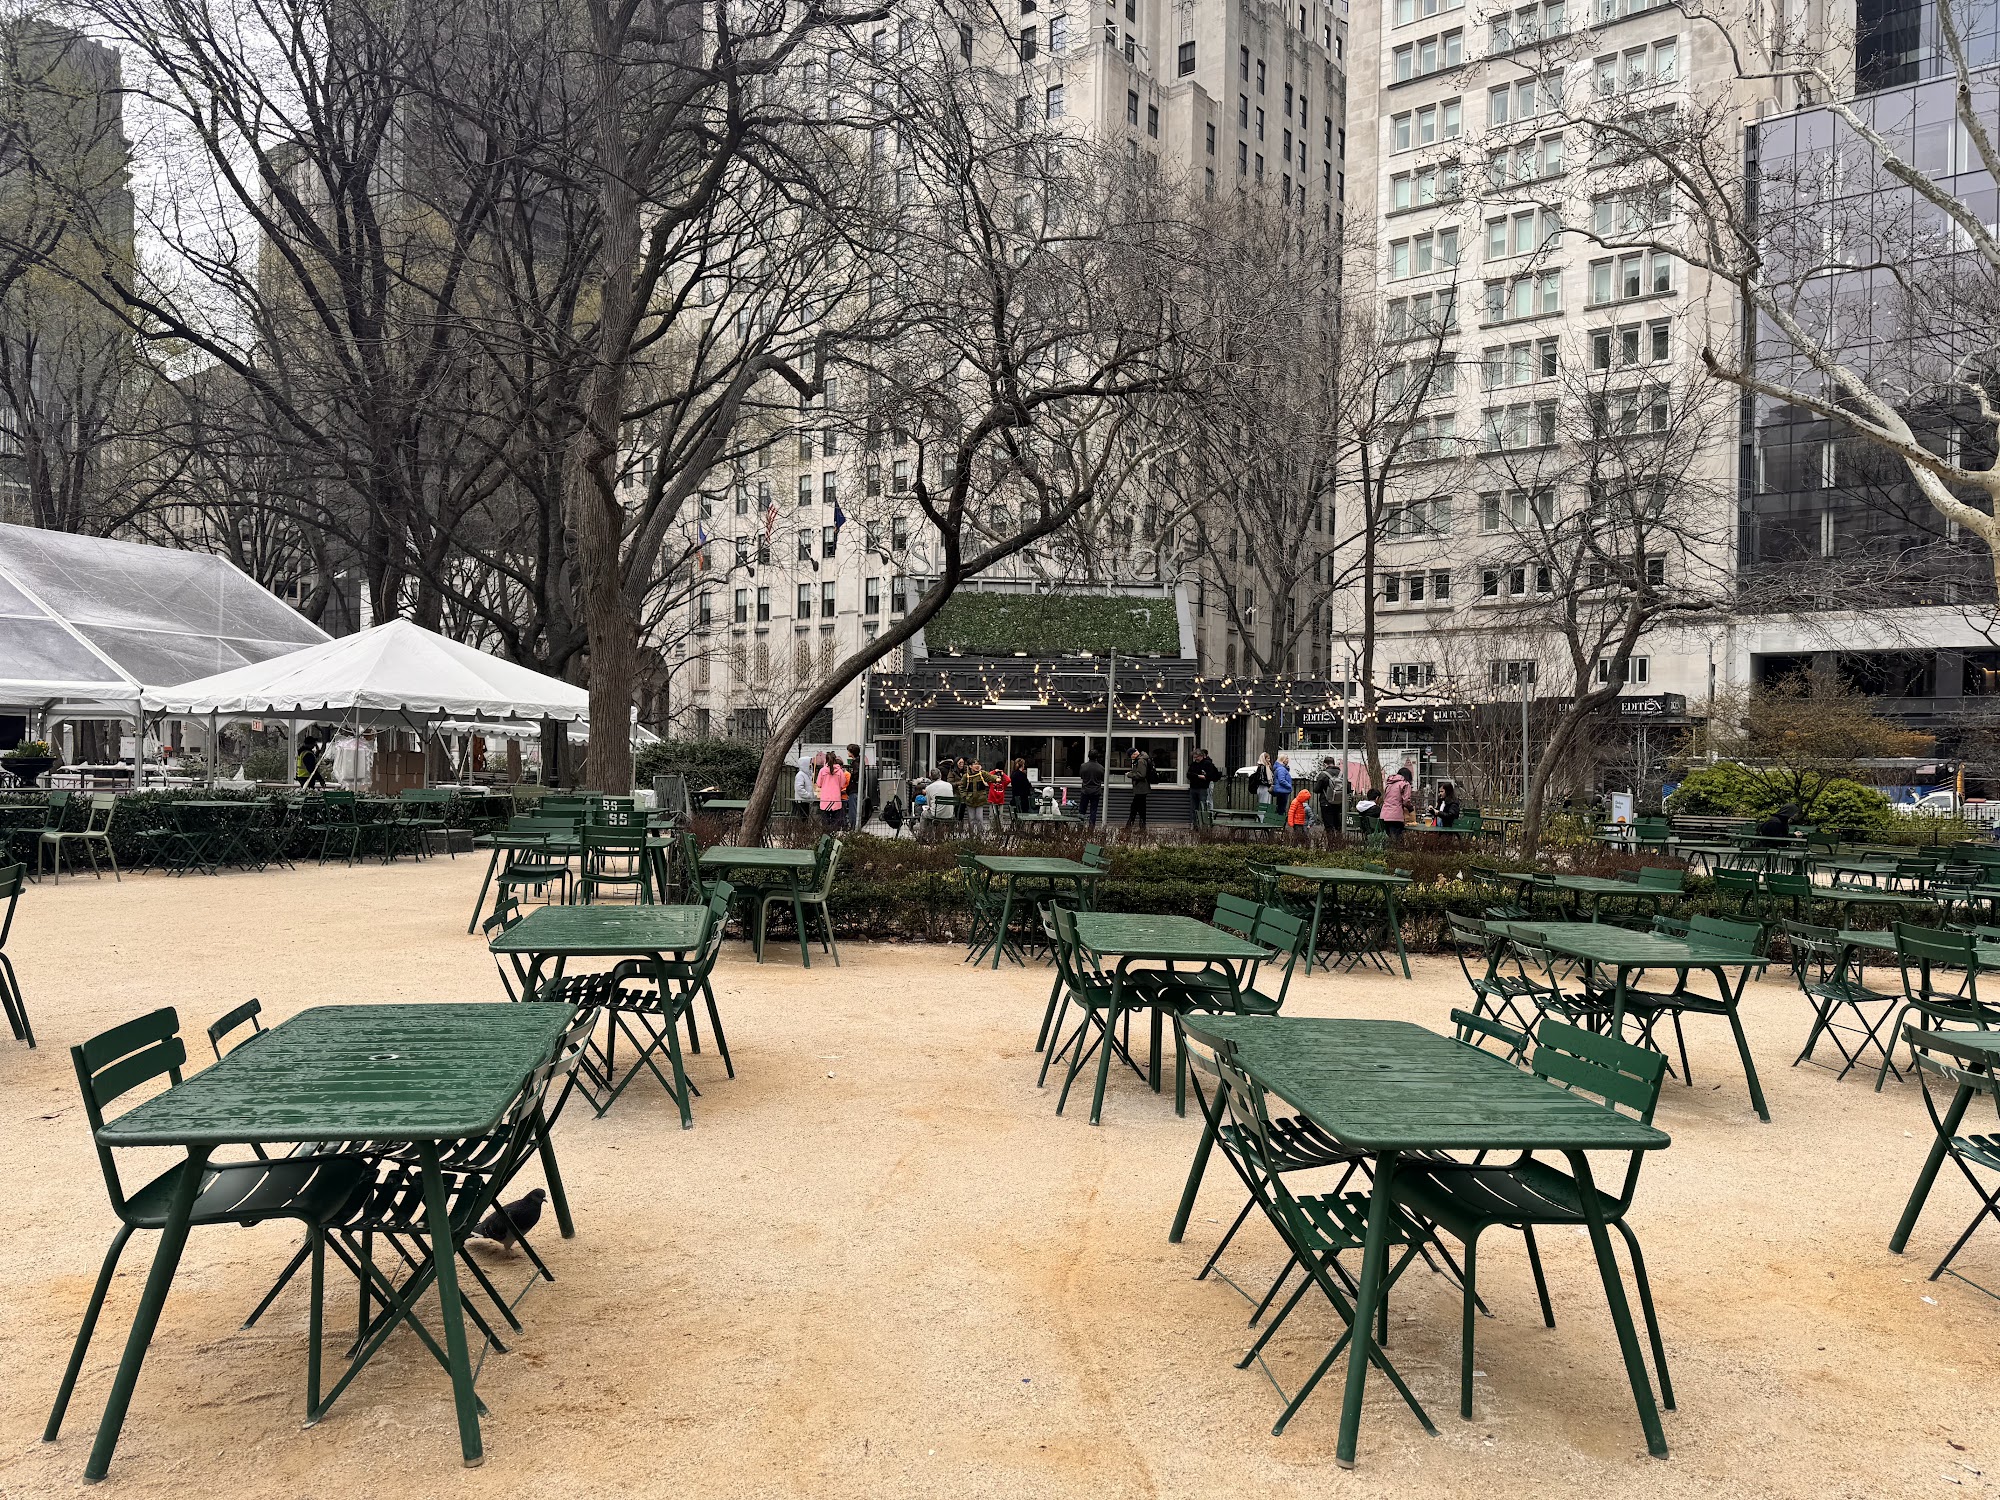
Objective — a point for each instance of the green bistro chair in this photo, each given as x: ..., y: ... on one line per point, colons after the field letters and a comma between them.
x: 826, y: 864
x: 478, y: 1170
x: 1941, y: 971
x: 339, y: 823
x: 1944, y: 1057
x: 12, y: 878
x: 1086, y: 986
x: 425, y: 811
x: 1796, y: 889
x: 1465, y: 1200
x: 1095, y: 857
x: 614, y: 859
x: 1474, y: 1029
x: 319, y: 1191
x: 95, y: 834
x: 1500, y: 983
x: 1316, y: 1229
x: 532, y: 868
x: 647, y: 1007
x: 1651, y: 1007
x: 515, y: 969
x: 985, y: 906
x: 1830, y: 977
x: 1743, y: 888
x: 1292, y: 1143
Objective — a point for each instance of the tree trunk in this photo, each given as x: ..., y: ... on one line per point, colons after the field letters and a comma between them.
x: 590, y: 502
x: 1536, y: 792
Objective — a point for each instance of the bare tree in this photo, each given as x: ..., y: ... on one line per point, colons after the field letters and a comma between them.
x: 1036, y: 284
x: 1601, y: 521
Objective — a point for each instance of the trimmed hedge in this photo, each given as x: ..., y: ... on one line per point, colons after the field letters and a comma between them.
x: 987, y: 624
x: 728, y: 764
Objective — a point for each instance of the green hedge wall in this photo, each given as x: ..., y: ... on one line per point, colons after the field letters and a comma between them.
x: 986, y: 624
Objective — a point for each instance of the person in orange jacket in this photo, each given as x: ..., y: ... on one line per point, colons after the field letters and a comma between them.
x: 1296, y: 814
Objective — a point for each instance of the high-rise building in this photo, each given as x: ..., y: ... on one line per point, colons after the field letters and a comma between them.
x: 1226, y: 96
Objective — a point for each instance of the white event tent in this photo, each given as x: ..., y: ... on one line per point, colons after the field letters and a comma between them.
x: 86, y: 623
x: 393, y: 674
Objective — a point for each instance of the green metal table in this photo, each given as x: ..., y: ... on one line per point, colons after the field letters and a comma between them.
x: 789, y: 868
x: 1628, y: 954
x: 1869, y: 898
x: 1013, y: 870
x: 1707, y: 851
x: 396, y: 1074
x: 1596, y: 888
x: 1987, y: 1042
x: 1132, y: 938
x: 1389, y: 1087
x: 1869, y: 940
x: 724, y: 805
x: 1346, y: 938
x: 214, y: 830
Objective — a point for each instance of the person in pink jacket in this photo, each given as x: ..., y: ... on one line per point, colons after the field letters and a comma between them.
x: 832, y: 786
x: 1399, y: 795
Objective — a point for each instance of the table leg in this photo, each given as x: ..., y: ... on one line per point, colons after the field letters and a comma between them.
x: 546, y: 1149
x: 1000, y: 938
x: 1952, y: 1119
x: 444, y: 1261
x: 799, y: 921
x: 1319, y: 907
x: 1374, y: 1253
x: 1621, y: 1311
x: 166, y: 1259
x: 1735, y: 999
x: 479, y: 902
x: 1211, y: 1120
x: 1110, y: 1031
x: 1153, y: 1062
x: 1396, y: 929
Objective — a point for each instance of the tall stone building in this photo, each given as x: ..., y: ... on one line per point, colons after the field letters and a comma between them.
x: 1226, y: 96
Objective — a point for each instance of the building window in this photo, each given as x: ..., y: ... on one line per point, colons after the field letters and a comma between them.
x: 829, y: 487
x: 1260, y: 75
x: 805, y: 602
x: 1638, y: 671
x: 742, y: 607
x: 805, y: 546
x: 871, y: 596
x: 1186, y: 62
x: 805, y: 489
x: 898, y: 594
x: 828, y: 536
x: 1028, y: 43
x: 1153, y: 120
x: 1052, y: 102
x: 899, y: 476
x: 826, y: 603
x: 1131, y: 107
x: 763, y: 606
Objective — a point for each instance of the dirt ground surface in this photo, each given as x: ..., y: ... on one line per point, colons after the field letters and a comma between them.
x: 880, y: 1265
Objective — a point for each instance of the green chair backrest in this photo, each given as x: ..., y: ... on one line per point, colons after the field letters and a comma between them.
x: 1744, y: 935
x: 1622, y: 1074
x: 1281, y: 932
x: 1742, y: 882
x: 596, y: 837
x: 828, y: 865
x: 1094, y: 856
x: 1466, y: 932
x: 1235, y: 914
x: 1931, y: 945
x: 1779, y: 884
x: 58, y: 805
x: 426, y: 794
x: 1476, y: 1031
x: 115, y: 1062
x: 103, y: 808
x: 1661, y: 878
x: 1967, y: 1067
x: 1666, y: 926
x: 250, y: 1010
x: 12, y: 878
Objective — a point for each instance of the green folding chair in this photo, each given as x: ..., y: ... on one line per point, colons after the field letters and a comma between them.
x: 614, y: 859
x: 813, y: 897
x: 1943, y: 1056
x: 12, y: 878
x: 94, y: 835
x: 318, y: 1191
x: 1466, y: 1199
x: 1829, y: 975
x: 1316, y: 1229
x: 1941, y: 971
x: 647, y: 1003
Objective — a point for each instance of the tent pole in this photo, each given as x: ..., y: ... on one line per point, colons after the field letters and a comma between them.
x: 214, y: 750
x: 292, y: 742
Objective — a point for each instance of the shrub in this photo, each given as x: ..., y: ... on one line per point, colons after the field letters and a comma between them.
x: 1726, y: 789
x: 727, y: 764
x: 267, y: 763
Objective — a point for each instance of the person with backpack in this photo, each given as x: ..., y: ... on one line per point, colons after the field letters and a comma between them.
x: 1139, y: 773
x: 1298, y: 813
x: 1203, y: 774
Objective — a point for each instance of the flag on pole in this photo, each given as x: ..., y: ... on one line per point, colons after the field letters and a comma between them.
x: 701, y: 548
x: 839, y: 520
x: 770, y: 518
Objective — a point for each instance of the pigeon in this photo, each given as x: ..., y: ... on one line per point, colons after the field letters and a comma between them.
x: 511, y: 1220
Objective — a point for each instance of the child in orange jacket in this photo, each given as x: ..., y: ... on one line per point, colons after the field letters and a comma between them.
x: 1295, y: 815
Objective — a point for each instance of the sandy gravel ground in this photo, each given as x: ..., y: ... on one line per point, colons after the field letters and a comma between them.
x: 880, y: 1265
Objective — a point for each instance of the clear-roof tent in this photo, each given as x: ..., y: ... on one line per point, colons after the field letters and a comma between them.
x: 90, y: 623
